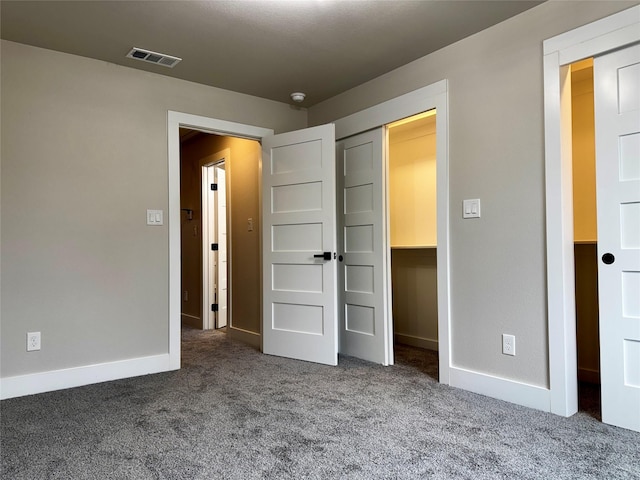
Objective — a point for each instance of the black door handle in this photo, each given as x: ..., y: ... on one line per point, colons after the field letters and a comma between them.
x: 324, y: 256
x: 608, y: 258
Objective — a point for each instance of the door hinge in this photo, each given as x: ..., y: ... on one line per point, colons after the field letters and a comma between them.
x: 214, y: 246
x: 214, y: 307
x: 214, y: 186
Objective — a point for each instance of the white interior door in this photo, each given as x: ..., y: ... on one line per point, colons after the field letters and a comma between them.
x: 299, y: 288
x: 617, y: 108
x: 210, y: 263
x: 362, y: 270
x: 221, y: 239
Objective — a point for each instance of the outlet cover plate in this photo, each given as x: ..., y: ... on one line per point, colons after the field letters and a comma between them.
x: 33, y: 341
x: 508, y: 344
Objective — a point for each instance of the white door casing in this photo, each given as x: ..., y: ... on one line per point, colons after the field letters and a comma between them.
x: 175, y: 121
x: 362, y: 272
x: 221, y: 239
x: 599, y: 37
x: 617, y: 108
x: 298, y: 214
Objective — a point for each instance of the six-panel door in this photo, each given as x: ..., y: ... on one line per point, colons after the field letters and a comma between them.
x: 617, y: 109
x: 299, y: 216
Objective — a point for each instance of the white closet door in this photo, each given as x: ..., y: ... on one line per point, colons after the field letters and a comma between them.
x: 365, y: 330
x: 299, y: 215
x: 617, y: 108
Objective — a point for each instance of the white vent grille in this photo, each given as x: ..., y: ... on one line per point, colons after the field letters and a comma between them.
x: 153, y: 57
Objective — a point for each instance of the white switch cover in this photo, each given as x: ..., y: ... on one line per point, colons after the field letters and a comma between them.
x: 471, y: 208
x: 154, y: 217
x: 250, y: 225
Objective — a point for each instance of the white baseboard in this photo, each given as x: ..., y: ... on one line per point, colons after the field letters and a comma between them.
x: 33, y: 383
x: 245, y: 336
x: 509, y: 390
x: 414, y: 341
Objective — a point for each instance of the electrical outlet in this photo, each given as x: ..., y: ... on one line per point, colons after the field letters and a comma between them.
x: 33, y: 341
x: 508, y: 344
x: 185, y: 296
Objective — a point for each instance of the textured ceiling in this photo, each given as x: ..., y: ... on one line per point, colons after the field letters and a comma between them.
x: 266, y: 48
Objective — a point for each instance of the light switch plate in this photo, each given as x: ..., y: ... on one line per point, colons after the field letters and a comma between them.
x: 154, y: 217
x: 471, y: 208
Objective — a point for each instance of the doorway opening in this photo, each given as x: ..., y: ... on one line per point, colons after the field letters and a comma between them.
x: 585, y: 236
x: 412, y: 223
x: 220, y: 240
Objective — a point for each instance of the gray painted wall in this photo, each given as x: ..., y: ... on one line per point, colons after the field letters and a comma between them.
x: 84, y: 154
x: 496, y: 141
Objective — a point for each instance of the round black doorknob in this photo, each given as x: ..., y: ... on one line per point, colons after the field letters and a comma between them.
x: 608, y: 258
x: 340, y: 258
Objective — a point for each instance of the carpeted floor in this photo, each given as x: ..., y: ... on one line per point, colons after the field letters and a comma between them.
x: 233, y: 413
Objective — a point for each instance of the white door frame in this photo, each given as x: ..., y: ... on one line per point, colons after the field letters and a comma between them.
x: 418, y: 101
x: 176, y: 120
x: 613, y: 32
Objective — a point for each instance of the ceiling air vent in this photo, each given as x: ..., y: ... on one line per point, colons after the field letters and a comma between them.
x: 153, y: 57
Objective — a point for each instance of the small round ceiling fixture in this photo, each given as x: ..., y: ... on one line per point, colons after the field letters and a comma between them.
x: 298, y: 97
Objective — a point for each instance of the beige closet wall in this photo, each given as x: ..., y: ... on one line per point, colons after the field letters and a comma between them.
x: 412, y: 221
x: 584, y: 220
x: 583, y: 153
x: 412, y: 184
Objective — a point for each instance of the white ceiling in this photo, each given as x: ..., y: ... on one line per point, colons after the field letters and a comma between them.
x: 267, y: 48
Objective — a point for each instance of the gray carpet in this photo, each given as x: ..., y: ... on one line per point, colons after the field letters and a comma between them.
x: 233, y: 413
